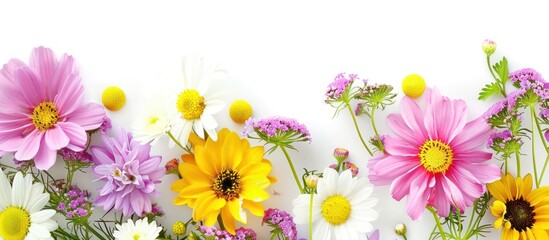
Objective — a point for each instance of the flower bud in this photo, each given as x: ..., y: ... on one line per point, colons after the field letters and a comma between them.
x: 311, y: 181
x: 171, y: 166
x: 489, y: 47
x: 400, y: 229
x: 341, y: 154
x: 179, y: 228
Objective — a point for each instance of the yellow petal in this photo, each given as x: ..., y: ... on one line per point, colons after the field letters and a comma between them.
x: 180, y: 201
x: 526, y: 185
x: 510, y: 234
x: 255, y: 208
x: 254, y: 155
x: 197, y: 189
x: 540, y: 195
x: 195, y: 140
x: 193, y: 173
x: 205, y: 161
x: 511, y: 185
x: 539, y: 233
x: 498, y: 223
x: 235, y: 208
x: 211, y: 219
x: 188, y: 158
x: 208, y: 205
x: 228, y: 220
x: 232, y: 153
x: 499, y: 191
x: 178, y: 185
x: 530, y: 234
x: 254, y: 193
x: 498, y: 208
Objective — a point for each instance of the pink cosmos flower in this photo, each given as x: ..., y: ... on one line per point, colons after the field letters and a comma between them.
x: 434, y: 156
x: 129, y: 172
x: 42, y: 109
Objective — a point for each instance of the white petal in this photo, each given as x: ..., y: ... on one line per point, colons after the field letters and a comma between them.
x: 184, y: 134
x: 321, y: 230
x: 342, y: 232
x: 198, y: 128
x: 331, y: 178
x: 49, y: 224
x: 346, y: 184
x: 42, y: 216
x: 5, y: 191
x: 39, y: 201
x: 18, y: 190
x: 39, y: 230
x: 364, y: 215
x: 213, y: 106
x: 208, y: 121
x: 212, y: 133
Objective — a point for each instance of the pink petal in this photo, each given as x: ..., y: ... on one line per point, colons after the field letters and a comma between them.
x: 401, y: 129
x: 485, y: 173
x: 149, y: 165
x: 89, y: 116
x: 44, y: 62
x: 100, y: 156
x: 30, y: 145
x: 137, y: 202
x: 439, y: 200
x: 31, y: 87
x: 401, y: 185
x: 45, y: 158
x: 56, y: 138
x: 390, y: 168
x: 473, y: 136
x: 444, y: 118
x: 66, y: 66
x: 399, y: 147
x: 11, y: 144
x: 472, y: 156
x: 413, y: 117
x: 70, y: 95
x: 417, y: 199
x: 469, y: 185
x: 76, y: 134
x: 10, y: 89
x: 452, y: 191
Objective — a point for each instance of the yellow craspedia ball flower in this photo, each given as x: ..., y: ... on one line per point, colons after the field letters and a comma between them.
x: 179, y: 228
x: 413, y: 85
x: 240, y: 111
x: 113, y: 98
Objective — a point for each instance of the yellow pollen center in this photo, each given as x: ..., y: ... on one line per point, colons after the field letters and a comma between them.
x: 227, y: 184
x: 14, y: 223
x: 136, y: 237
x: 117, y: 173
x: 45, y: 116
x: 190, y: 104
x: 436, y: 156
x: 153, y: 120
x: 336, y: 209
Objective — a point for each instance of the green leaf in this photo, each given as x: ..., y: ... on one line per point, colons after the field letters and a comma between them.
x: 489, y: 90
x: 502, y: 70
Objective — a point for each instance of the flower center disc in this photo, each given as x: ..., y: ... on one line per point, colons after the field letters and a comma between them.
x: 336, y: 209
x: 520, y: 214
x: 45, y: 116
x: 227, y: 185
x: 435, y: 156
x: 14, y: 223
x: 190, y: 104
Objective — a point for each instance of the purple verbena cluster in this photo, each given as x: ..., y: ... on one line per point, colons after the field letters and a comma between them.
x: 273, y: 126
x: 72, y: 156
x: 76, y: 204
x: 282, y: 220
x: 245, y: 234
x: 339, y: 85
x: 215, y: 232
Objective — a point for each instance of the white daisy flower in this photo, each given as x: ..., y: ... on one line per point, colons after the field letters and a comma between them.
x: 141, y: 230
x: 342, y: 207
x: 194, y: 105
x: 156, y: 120
x: 21, y: 209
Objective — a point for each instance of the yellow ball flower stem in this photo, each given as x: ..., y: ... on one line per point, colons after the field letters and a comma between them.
x: 293, y: 168
x: 357, y: 129
x: 372, y: 119
x: 311, y: 215
x: 437, y: 220
x: 178, y: 143
x: 494, y: 76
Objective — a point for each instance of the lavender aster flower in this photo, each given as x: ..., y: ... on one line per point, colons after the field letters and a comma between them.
x: 129, y: 172
x: 282, y: 220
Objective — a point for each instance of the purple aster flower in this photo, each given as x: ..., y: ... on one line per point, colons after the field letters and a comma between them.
x: 339, y: 86
x: 129, y: 171
x: 43, y: 108
x: 282, y: 220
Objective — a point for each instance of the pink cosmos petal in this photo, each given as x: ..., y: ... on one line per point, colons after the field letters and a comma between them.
x: 452, y: 191
x: 89, y: 116
x: 76, y: 134
x: 7, y: 80
x: 32, y: 87
x: 45, y: 157
x: 56, y: 138
x: 445, y: 118
x: 417, y: 198
x: 466, y: 180
x: 30, y: 145
x: 70, y: 92
x: 399, y: 147
x: 439, y: 200
x: 401, y: 129
x: 401, y: 185
x: 44, y: 62
x: 472, y: 136
x: 413, y: 117
x: 11, y: 144
x: 473, y: 156
x: 392, y: 167
x: 67, y: 65
x: 484, y: 172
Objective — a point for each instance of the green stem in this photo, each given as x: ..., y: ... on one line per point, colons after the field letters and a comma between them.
x: 372, y: 119
x: 506, y: 162
x: 494, y: 76
x: 542, y: 137
x: 437, y: 220
x: 471, y: 219
x: 517, y: 155
x: 220, y: 221
x: 311, y: 216
x: 293, y: 169
x: 404, y: 236
x: 92, y: 230
x: 177, y: 142
x: 533, y: 115
x: 544, y: 168
x: 357, y: 129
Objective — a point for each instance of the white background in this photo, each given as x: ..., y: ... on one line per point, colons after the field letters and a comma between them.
x: 281, y: 56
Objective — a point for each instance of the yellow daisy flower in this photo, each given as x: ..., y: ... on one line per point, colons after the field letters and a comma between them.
x: 523, y: 213
x: 222, y: 178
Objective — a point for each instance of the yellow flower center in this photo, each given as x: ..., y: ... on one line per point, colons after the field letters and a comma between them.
x: 153, y: 120
x: 136, y: 236
x: 520, y: 213
x: 45, y: 116
x: 336, y: 209
x: 227, y: 184
x: 240, y: 111
x: 113, y: 98
x: 14, y: 223
x: 436, y: 156
x: 190, y: 104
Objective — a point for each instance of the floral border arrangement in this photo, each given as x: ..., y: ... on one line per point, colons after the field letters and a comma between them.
x: 442, y: 163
